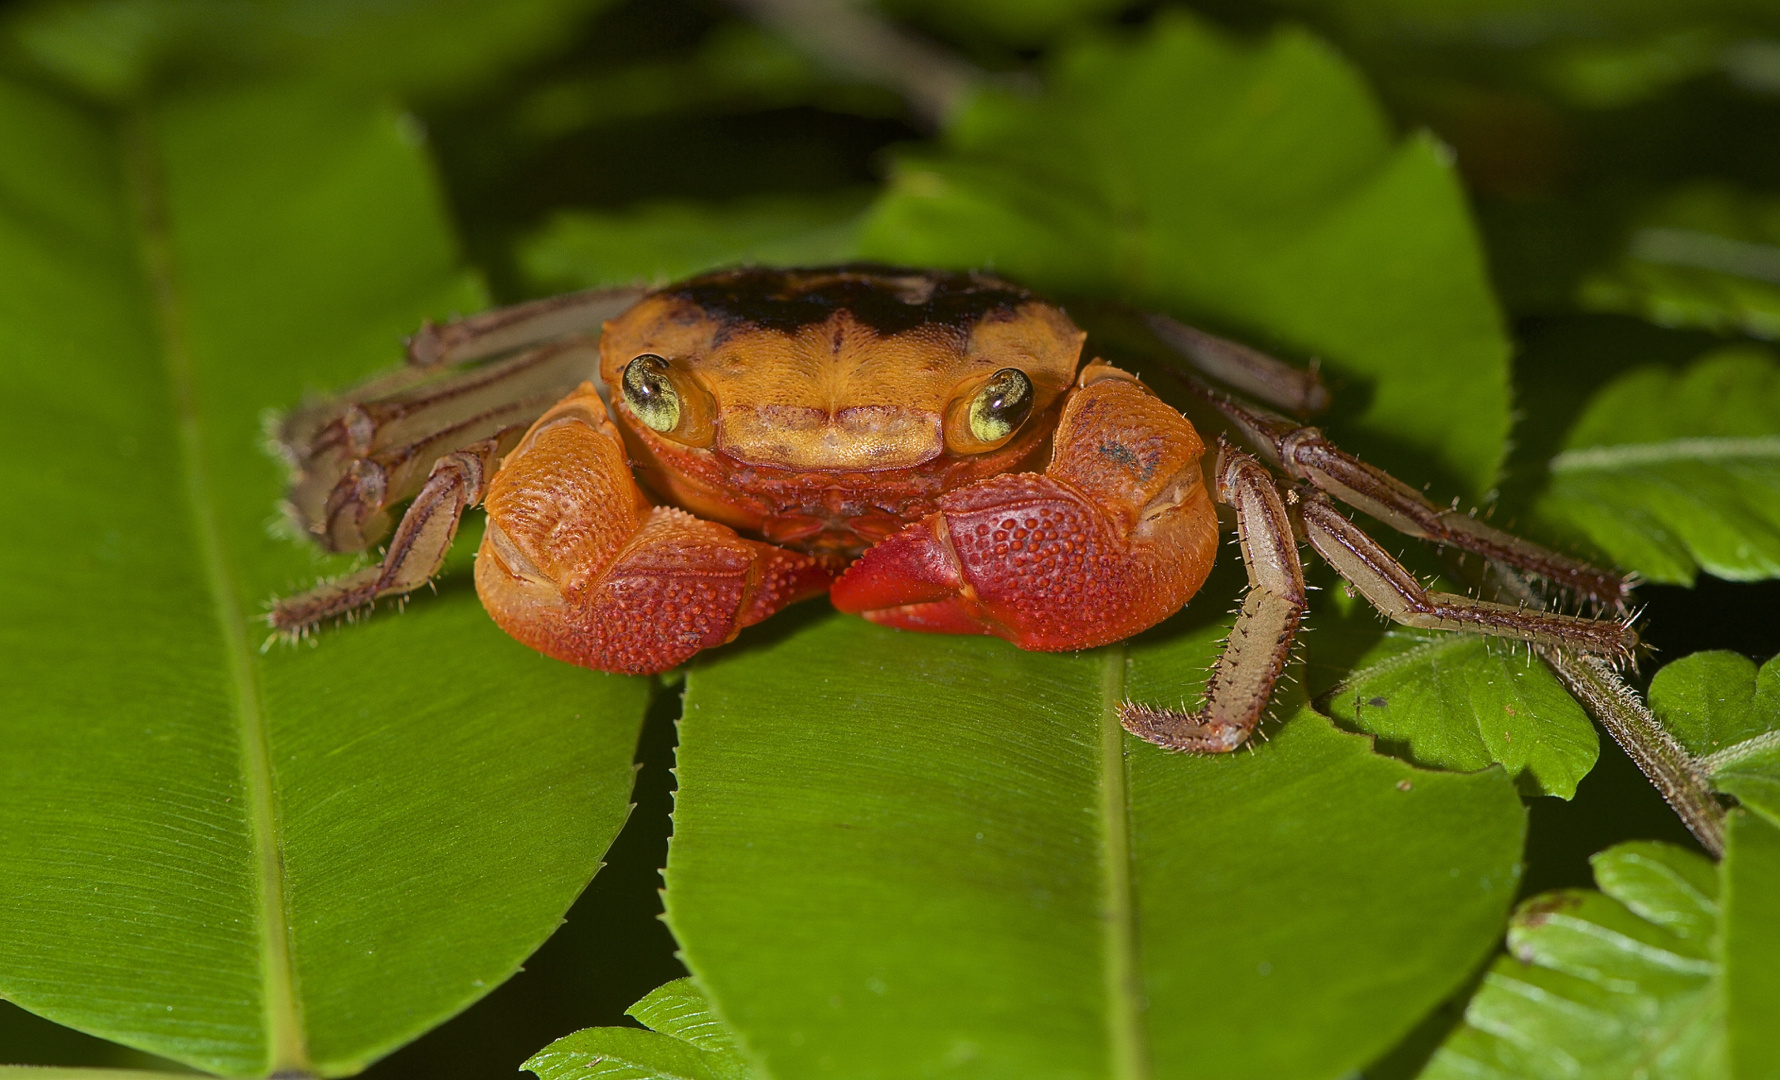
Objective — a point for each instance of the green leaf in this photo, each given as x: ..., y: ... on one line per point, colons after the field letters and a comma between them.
x: 1706, y: 256
x: 1671, y: 473
x: 1257, y: 188
x: 1727, y: 714
x: 666, y: 241
x: 687, y: 1041
x: 290, y: 860
x: 118, y: 48
x: 1606, y: 985
x: 1751, y: 947
x: 1463, y: 702
x: 897, y: 854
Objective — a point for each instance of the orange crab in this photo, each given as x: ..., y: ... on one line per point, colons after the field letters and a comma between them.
x: 926, y: 447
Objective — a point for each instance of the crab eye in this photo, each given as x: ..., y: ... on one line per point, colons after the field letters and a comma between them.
x: 650, y: 394
x: 1001, y: 406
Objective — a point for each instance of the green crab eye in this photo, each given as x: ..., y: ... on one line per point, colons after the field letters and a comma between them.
x: 1001, y: 405
x: 650, y: 394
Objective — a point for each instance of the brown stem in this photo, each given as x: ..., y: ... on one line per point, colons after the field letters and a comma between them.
x: 1618, y: 709
x: 854, y: 41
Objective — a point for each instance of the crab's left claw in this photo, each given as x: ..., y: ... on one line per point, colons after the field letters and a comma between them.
x: 1111, y: 539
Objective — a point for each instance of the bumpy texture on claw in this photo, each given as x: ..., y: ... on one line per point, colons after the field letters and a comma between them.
x: 1111, y: 539
x: 576, y: 564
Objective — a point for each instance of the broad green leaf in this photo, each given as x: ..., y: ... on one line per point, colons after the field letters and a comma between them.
x: 1727, y: 714
x: 686, y: 1041
x: 290, y: 860
x: 117, y: 48
x: 1675, y: 472
x: 1706, y: 256
x: 897, y: 854
x: 1603, y: 985
x: 1751, y: 946
x: 1463, y: 702
x: 667, y: 241
x: 1255, y: 187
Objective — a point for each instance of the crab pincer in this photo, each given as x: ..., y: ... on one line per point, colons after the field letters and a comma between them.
x: 1114, y: 536
x: 577, y: 564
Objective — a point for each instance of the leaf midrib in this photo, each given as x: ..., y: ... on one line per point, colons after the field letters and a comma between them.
x: 1127, y: 1052
x: 145, y: 184
x: 1665, y: 452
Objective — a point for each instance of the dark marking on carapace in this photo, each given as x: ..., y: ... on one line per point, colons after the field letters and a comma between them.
x: 887, y: 299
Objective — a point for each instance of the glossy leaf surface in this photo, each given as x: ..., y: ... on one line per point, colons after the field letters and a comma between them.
x: 1675, y: 472
x: 1257, y: 188
x: 1603, y: 985
x: 1727, y: 714
x: 896, y: 853
x: 685, y: 1041
x: 295, y: 859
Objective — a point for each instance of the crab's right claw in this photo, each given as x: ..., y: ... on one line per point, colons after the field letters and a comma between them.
x: 1111, y: 539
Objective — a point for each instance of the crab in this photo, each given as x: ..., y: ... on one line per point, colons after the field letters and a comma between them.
x: 925, y: 447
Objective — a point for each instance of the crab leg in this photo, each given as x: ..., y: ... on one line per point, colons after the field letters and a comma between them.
x: 356, y: 455
x: 1249, y: 370
x: 578, y: 565
x: 418, y: 548
x: 503, y: 329
x: 1111, y: 539
x: 1304, y: 454
x: 1260, y: 643
x: 1394, y: 591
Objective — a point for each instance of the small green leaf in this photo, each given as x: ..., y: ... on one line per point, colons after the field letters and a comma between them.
x: 1752, y: 946
x: 1727, y: 714
x: 1706, y: 256
x: 1460, y: 701
x: 896, y: 854
x: 248, y: 861
x: 1674, y: 472
x: 687, y: 1041
x: 1603, y: 985
x: 1258, y: 188
x: 666, y: 241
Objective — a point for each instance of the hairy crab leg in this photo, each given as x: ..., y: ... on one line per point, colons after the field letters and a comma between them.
x: 504, y: 329
x: 1249, y: 370
x: 1397, y: 595
x: 1260, y: 643
x: 578, y: 565
x: 456, y: 483
x: 357, y: 454
x: 1305, y: 455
